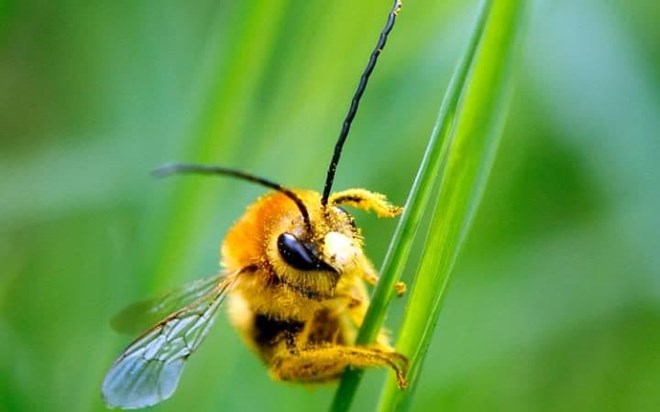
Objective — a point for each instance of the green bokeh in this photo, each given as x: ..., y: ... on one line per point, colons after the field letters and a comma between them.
x: 555, y: 302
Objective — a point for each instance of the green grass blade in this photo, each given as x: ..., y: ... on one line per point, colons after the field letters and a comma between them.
x: 464, y: 172
x: 213, y: 132
x: 402, y: 241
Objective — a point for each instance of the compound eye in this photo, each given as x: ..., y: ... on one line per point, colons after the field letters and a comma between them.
x: 294, y: 252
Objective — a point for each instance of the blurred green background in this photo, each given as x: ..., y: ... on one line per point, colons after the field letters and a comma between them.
x: 555, y: 302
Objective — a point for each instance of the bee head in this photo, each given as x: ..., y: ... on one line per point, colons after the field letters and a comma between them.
x: 313, y: 259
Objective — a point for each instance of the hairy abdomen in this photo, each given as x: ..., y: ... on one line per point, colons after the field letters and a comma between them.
x: 269, y: 336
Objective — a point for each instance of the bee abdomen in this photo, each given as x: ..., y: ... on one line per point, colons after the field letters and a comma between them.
x: 268, y: 332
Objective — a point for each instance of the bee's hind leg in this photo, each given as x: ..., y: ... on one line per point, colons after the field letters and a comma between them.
x: 319, y: 364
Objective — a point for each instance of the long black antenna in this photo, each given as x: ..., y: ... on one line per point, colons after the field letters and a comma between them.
x: 330, y: 177
x: 184, y: 168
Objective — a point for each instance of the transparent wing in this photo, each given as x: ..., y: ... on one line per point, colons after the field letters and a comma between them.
x: 140, y: 315
x: 148, y: 371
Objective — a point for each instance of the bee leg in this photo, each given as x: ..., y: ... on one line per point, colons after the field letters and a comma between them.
x: 370, y: 276
x: 367, y: 201
x: 319, y: 364
x: 351, y: 302
x: 400, y: 288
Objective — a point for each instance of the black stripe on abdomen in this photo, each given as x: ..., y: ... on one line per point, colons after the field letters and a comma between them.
x: 269, y: 331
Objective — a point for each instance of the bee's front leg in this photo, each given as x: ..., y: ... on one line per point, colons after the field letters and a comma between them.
x: 319, y: 364
x: 370, y: 275
x: 367, y: 201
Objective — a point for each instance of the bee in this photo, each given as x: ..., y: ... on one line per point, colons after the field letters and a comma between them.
x: 294, y: 273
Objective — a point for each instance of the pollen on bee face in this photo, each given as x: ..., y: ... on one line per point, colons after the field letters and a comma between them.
x: 339, y: 248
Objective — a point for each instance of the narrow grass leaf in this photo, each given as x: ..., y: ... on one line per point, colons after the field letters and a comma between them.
x: 464, y: 172
x: 418, y: 198
x: 212, y: 133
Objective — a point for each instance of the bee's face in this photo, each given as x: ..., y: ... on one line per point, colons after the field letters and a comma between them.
x: 314, y: 262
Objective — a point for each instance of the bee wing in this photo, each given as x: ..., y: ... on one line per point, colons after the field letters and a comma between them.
x: 138, y: 316
x: 148, y: 371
